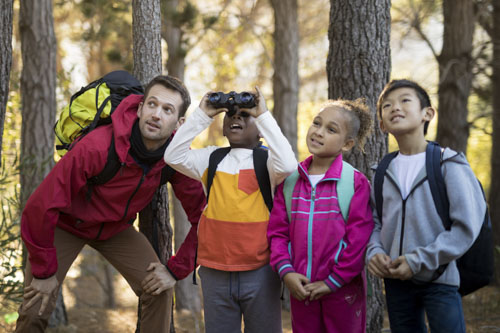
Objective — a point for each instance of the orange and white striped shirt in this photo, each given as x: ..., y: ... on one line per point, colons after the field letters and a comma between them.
x: 232, y: 230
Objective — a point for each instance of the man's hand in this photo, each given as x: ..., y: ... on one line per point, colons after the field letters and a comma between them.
x: 317, y: 289
x: 399, y: 269
x: 379, y: 265
x: 41, y: 289
x: 295, y: 283
x: 208, y: 108
x: 158, y: 280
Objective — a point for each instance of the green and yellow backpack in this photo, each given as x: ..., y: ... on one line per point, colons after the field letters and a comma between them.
x: 92, y: 106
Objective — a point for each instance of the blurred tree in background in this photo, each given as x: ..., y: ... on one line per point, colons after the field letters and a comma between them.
x: 231, y: 45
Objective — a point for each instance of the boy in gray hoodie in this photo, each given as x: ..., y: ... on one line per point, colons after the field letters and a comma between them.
x: 409, y: 241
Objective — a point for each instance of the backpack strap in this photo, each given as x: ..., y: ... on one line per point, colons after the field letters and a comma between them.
x: 433, y: 159
x: 166, y: 174
x: 109, y: 171
x: 99, y: 109
x: 91, y: 85
x: 112, y: 166
x: 288, y: 187
x: 260, y: 156
x: 215, y: 158
x: 345, y: 189
x: 379, y: 181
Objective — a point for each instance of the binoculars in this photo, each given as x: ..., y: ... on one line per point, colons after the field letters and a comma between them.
x: 244, y: 100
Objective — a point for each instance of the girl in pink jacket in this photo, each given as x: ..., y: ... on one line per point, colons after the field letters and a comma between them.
x: 318, y: 244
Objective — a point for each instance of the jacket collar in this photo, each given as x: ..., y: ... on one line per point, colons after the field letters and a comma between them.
x: 333, y: 172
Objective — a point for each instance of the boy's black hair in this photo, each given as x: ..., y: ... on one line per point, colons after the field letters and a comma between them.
x: 171, y: 82
x: 422, y: 95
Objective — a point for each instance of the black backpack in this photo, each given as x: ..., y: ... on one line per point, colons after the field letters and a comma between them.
x: 260, y: 155
x: 476, y: 265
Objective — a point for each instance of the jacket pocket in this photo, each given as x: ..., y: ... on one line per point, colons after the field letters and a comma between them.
x: 247, y: 181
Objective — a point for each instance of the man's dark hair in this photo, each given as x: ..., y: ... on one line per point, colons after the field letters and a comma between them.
x: 173, y: 83
x: 422, y: 95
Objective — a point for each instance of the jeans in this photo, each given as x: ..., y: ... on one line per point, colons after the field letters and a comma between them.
x: 407, y: 302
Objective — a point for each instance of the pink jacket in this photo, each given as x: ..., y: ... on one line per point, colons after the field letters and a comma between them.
x: 317, y: 242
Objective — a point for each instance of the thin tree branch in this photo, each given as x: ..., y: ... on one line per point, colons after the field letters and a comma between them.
x: 479, y: 116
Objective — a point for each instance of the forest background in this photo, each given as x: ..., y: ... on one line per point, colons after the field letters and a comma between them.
x: 293, y: 50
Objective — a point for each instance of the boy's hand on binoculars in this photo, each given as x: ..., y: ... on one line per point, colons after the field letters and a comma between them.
x: 208, y: 108
x: 260, y: 106
x: 261, y: 103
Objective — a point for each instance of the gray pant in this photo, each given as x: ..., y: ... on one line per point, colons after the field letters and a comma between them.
x: 229, y: 295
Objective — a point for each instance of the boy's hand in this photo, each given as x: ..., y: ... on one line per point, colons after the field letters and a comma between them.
x: 260, y: 107
x: 158, y: 280
x: 400, y: 269
x: 379, y: 265
x: 317, y: 289
x: 208, y: 108
x: 295, y: 283
x: 41, y: 289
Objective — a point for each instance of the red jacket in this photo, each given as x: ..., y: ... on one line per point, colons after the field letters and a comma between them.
x: 61, y: 201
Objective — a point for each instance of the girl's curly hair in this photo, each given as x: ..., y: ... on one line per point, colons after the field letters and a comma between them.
x: 361, y: 119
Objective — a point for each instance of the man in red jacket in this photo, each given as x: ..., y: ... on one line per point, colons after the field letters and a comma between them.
x: 63, y: 214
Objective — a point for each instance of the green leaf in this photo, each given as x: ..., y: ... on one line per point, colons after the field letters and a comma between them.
x: 11, y: 317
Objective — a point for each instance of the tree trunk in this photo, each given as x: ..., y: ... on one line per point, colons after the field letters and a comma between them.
x: 455, y: 74
x: 154, y: 220
x: 146, y: 22
x: 109, y: 285
x: 173, y: 36
x: 59, y: 316
x: 38, y: 91
x: 286, y: 78
x: 286, y: 68
x: 495, y: 150
x: 187, y: 294
x: 359, y: 65
x: 6, y: 60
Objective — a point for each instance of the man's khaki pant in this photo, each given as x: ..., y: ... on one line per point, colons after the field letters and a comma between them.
x: 130, y: 253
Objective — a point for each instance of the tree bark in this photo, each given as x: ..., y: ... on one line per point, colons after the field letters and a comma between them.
x: 187, y: 294
x: 358, y: 66
x: 455, y: 74
x: 38, y: 87
x: 173, y: 36
x: 286, y: 68
x: 146, y: 22
x: 6, y: 9
x: 154, y: 220
x: 38, y: 99
x: 494, y: 199
x: 286, y: 78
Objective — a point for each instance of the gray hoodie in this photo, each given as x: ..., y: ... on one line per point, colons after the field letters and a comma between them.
x: 413, y: 228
